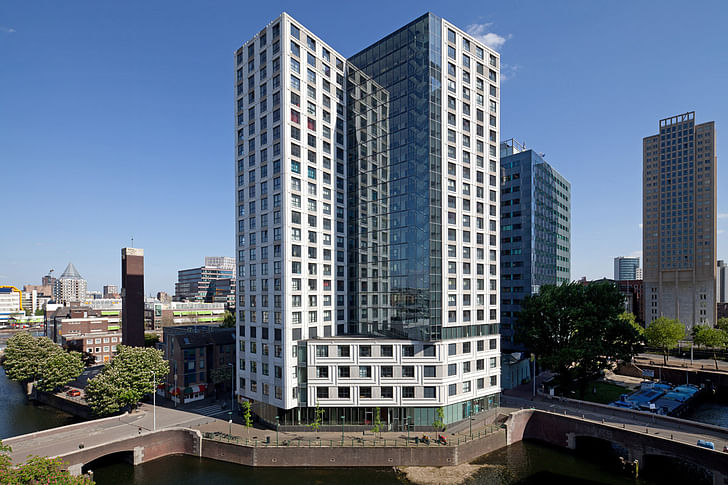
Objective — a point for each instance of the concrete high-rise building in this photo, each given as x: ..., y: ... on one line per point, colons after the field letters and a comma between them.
x: 194, y: 284
x: 367, y: 225
x: 132, y: 295
x: 11, y: 303
x: 70, y: 287
x: 720, y: 282
x: 626, y: 267
x: 679, y: 221
x: 535, y: 230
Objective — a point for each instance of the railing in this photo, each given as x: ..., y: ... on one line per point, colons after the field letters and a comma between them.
x: 351, y: 442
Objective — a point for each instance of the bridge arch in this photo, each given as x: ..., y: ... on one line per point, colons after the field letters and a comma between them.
x: 114, y: 457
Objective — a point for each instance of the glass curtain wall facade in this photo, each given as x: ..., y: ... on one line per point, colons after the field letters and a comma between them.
x: 394, y: 175
x: 535, y: 231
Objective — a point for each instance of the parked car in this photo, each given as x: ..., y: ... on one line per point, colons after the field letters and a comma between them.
x: 73, y: 393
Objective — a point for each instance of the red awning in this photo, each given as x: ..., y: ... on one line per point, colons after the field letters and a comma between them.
x: 175, y: 391
x: 203, y: 387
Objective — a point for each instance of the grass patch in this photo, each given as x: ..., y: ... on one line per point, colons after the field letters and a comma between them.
x: 605, y: 392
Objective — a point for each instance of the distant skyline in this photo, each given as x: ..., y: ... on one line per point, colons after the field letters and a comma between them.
x: 116, y: 118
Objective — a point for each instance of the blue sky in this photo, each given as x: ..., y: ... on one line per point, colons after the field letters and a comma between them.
x: 116, y: 118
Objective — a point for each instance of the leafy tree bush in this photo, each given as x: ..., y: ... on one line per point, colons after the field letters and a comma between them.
x: 37, y: 470
x: 665, y: 333
x: 576, y: 330
x: 712, y: 338
x: 125, y: 380
x: 29, y: 359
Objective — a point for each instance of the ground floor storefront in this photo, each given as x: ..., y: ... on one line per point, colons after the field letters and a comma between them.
x: 390, y: 418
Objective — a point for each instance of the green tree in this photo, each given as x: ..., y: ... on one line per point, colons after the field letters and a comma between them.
x: 722, y: 324
x: 665, y: 333
x: 126, y: 379
x: 318, y: 418
x: 228, y: 320
x: 575, y: 330
x: 439, y: 423
x: 377, y: 424
x: 37, y: 470
x: 60, y: 368
x: 28, y: 359
x: 39, y: 312
x: 712, y: 338
x: 247, y: 416
x: 151, y: 339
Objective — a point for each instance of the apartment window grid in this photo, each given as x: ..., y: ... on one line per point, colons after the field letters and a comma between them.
x: 471, y: 176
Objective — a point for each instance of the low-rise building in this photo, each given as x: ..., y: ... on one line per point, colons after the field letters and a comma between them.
x: 158, y: 315
x: 194, y: 353
x: 85, y: 329
x: 11, y: 303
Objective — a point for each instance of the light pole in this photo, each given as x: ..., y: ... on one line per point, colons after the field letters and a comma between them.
x: 406, y: 423
x: 278, y: 422
x: 471, y: 423
x: 154, y: 400
x: 342, y: 430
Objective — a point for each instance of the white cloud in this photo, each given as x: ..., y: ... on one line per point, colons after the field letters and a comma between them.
x: 723, y: 215
x: 508, y: 71
x: 640, y: 224
x: 720, y: 231
x: 7, y: 30
x: 482, y: 33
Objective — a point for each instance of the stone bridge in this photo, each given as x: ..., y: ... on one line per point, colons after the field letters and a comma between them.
x: 642, y: 443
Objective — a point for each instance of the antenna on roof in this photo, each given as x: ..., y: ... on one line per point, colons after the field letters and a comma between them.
x: 132, y: 241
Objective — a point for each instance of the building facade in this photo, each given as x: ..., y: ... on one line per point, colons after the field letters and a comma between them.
x: 679, y: 221
x: 367, y: 225
x: 85, y: 329
x: 111, y: 291
x: 720, y: 282
x: 626, y: 268
x: 11, y: 303
x: 195, y: 353
x: 193, y: 285
x: 535, y: 231
x: 70, y: 287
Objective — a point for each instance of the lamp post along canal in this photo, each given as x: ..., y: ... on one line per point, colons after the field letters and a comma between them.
x: 278, y: 422
x: 154, y: 401
x: 342, y: 430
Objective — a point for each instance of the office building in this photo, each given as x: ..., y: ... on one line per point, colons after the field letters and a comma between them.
x: 626, y: 268
x: 160, y: 314
x: 193, y: 285
x: 367, y: 225
x: 679, y: 221
x: 11, y: 303
x: 535, y: 231
x: 720, y: 281
x: 70, y: 287
x: 132, y: 295
x: 85, y: 329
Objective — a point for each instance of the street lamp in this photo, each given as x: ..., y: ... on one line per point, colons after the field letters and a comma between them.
x: 342, y: 430
x: 154, y: 400
x: 471, y: 423
x: 406, y: 423
x: 278, y: 422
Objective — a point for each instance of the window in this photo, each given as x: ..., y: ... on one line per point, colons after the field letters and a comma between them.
x: 322, y: 351
x: 322, y: 372
x: 429, y: 371
x: 343, y: 351
x: 452, y: 389
x: 322, y: 392
x: 408, y: 371
x: 429, y: 392
x: 408, y: 351
x: 452, y: 369
x: 386, y: 351
x: 408, y: 392
x: 365, y: 351
x: 365, y: 371
x: 344, y: 392
x: 387, y: 371
x: 387, y: 392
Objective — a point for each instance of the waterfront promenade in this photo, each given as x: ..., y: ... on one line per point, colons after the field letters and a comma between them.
x: 190, y: 433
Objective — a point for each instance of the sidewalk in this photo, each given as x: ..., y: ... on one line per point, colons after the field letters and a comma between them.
x: 681, y: 362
